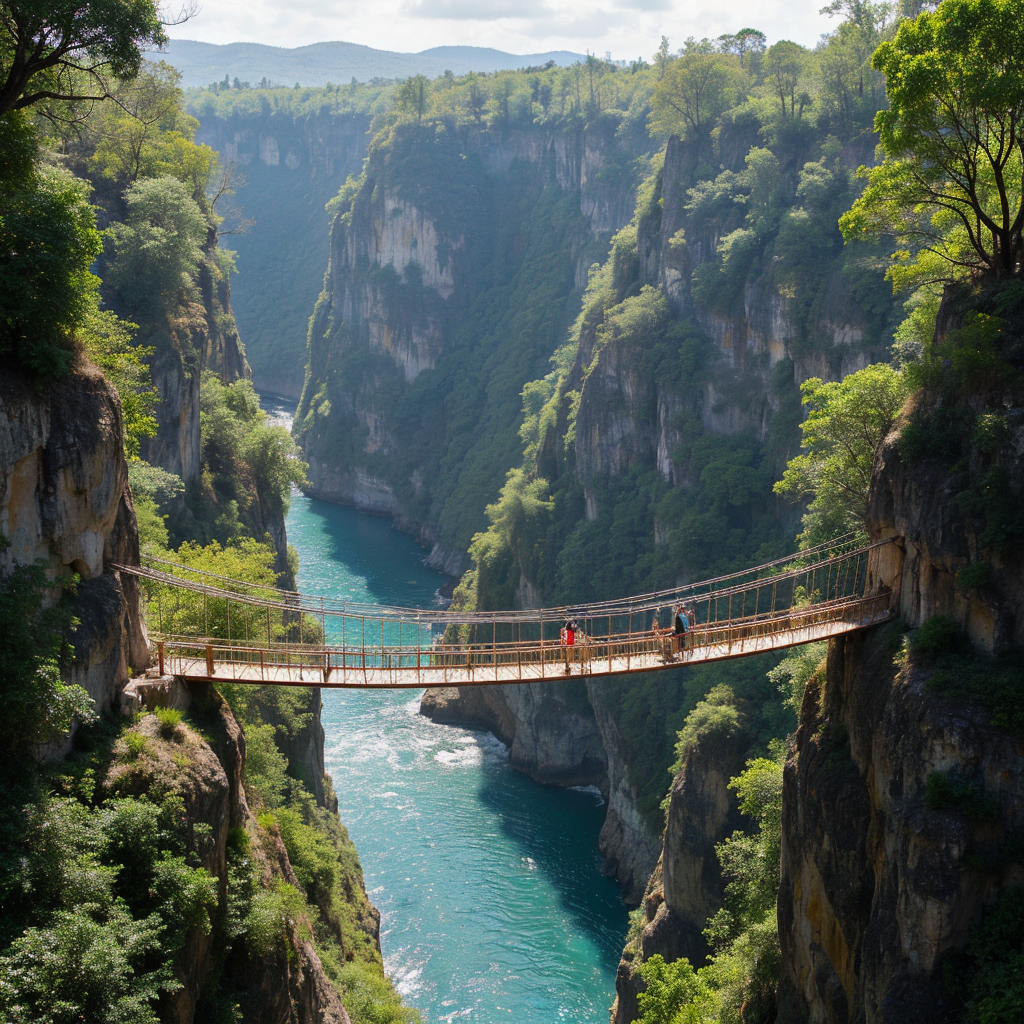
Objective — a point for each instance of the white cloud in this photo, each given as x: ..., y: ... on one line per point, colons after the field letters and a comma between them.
x: 626, y: 28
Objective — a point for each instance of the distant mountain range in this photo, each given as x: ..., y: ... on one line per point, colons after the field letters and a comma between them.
x: 337, y: 62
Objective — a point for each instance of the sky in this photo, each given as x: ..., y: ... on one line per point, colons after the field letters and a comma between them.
x: 626, y: 28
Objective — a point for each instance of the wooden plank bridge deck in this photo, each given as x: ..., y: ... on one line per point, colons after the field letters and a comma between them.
x: 230, y: 631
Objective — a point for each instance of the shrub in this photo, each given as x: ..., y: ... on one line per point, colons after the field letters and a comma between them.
x: 48, y: 241
x: 38, y: 706
x: 716, y: 714
x: 158, y: 249
x: 948, y: 793
x: 974, y: 578
x: 370, y: 998
x: 279, y: 915
x: 135, y: 745
x: 938, y: 636
x: 169, y: 719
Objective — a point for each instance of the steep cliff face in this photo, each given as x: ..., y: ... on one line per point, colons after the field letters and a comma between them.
x: 291, y: 165
x: 685, y: 888
x: 660, y: 436
x: 195, y: 336
x: 64, y: 499
x: 628, y: 842
x: 453, y: 273
x: 879, y: 882
x: 904, y: 791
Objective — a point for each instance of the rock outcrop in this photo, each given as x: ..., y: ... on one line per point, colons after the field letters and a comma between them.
x: 685, y: 888
x: 65, y: 502
x: 903, y: 794
x: 194, y: 337
x: 205, y: 771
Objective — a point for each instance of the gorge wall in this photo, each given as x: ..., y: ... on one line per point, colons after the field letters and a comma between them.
x: 655, y: 441
x: 904, y: 790
x: 291, y: 165
x: 455, y: 269
x: 65, y: 503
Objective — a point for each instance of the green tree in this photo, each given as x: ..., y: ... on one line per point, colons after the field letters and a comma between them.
x: 696, y: 89
x: 750, y: 863
x: 412, y: 96
x: 674, y: 993
x: 950, y: 186
x: 158, y: 248
x: 842, y: 435
x: 663, y: 57
x: 146, y: 133
x: 38, y: 705
x: 786, y: 63
x: 748, y: 44
x: 765, y: 196
x: 108, y: 341
x: 48, y: 240
x: 67, y: 50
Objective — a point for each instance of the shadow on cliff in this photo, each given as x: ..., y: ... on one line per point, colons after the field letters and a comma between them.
x: 556, y: 832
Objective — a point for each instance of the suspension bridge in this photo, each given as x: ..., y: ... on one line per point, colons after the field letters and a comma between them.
x: 213, y: 628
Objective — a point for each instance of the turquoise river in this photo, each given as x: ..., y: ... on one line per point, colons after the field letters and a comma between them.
x: 493, y: 906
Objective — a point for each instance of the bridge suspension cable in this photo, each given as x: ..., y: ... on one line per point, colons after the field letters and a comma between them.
x: 213, y: 627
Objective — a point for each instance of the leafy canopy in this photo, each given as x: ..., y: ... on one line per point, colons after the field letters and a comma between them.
x: 695, y: 90
x: 844, y: 431
x: 950, y: 186
x: 48, y: 241
x: 158, y: 248
x: 66, y: 49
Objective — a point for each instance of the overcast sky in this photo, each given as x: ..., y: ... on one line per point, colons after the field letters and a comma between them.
x: 626, y: 28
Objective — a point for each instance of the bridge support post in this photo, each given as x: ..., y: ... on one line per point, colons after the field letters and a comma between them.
x: 209, y: 660
x: 160, y: 656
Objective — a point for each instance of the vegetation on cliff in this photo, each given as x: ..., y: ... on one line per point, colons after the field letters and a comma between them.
x: 136, y: 882
x: 941, y: 191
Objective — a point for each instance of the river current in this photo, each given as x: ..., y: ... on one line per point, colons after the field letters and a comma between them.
x: 493, y: 906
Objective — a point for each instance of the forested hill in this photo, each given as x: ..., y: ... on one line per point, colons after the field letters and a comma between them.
x: 338, y: 62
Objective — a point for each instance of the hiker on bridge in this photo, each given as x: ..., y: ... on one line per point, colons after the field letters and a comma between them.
x: 662, y: 639
x: 568, y: 637
x: 680, y: 625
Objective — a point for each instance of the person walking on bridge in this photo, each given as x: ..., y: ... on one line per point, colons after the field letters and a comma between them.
x: 569, y: 642
x: 679, y: 627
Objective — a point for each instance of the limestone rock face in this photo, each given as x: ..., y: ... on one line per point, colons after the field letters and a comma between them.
x: 685, y: 888
x: 64, y: 500
x: 198, y: 336
x: 879, y: 883
x: 440, y: 228
x: 627, y: 843
x: 876, y: 886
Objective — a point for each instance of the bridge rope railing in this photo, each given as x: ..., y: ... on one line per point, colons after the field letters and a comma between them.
x: 200, y: 619
x: 160, y: 571
x: 305, y: 664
